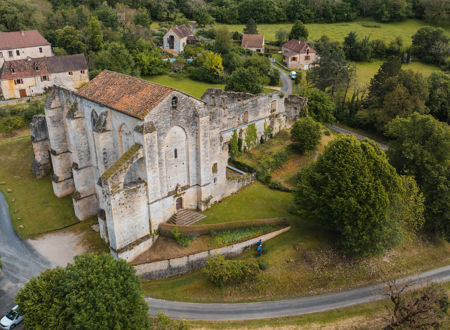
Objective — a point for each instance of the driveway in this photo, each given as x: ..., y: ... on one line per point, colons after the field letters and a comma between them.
x: 20, y: 260
x: 285, y: 80
x: 281, y: 308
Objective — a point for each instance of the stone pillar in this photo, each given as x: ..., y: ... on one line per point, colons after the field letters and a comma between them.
x: 204, y: 164
x: 42, y: 165
x: 60, y: 154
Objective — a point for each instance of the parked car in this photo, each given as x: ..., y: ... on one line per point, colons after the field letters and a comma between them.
x: 12, y: 319
x: 293, y: 75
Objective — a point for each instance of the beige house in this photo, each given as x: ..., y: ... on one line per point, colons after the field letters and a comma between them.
x: 177, y: 37
x: 253, y: 42
x: 33, y: 76
x: 298, y: 55
x: 20, y: 45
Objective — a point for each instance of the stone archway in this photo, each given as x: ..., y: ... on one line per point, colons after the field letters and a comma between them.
x: 171, y: 42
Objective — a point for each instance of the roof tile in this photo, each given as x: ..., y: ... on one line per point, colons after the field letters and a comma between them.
x: 252, y: 41
x: 22, y: 39
x: 298, y: 46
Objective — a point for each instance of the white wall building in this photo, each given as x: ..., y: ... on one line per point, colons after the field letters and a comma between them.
x: 177, y: 37
x: 20, y: 45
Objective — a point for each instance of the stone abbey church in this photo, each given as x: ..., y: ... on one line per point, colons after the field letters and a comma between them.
x: 133, y: 153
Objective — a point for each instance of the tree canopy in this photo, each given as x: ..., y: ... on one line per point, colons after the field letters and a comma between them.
x: 306, y: 134
x: 245, y: 80
x: 348, y: 190
x: 421, y: 147
x: 96, y: 292
x: 299, y: 31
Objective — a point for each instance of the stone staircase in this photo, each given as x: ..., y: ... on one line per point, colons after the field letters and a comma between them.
x: 185, y: 218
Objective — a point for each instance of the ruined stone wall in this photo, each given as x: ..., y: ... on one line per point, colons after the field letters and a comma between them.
x: 41, y: 147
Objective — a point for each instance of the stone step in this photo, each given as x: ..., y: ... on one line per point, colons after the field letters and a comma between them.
x: 185, y: 218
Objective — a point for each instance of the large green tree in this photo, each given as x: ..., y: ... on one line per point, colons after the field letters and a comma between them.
x: 222, y: 43
x: 320, y: 105
x: 421, y: 147
x: 115, y: 57
x: 299, y: 31
x: 431, y: 45
x: 95, y: 35
x: 245, y: 80
x: 439, y: 96
x: 348, y: 190
x: 306, y: 134
x: 96, y: 292
x: 251, y: 27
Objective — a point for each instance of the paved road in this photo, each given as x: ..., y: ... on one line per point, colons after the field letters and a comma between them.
x: 20, y: 260
x: 358, y: 136
x: 270, y: 309
x: 286, y: 81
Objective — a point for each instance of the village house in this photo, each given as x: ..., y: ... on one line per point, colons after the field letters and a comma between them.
x: 19, y: 45
x: 253, y: 42
x: 33, y: 76
x: 298, y: 55
x: 135, y: 153
x: 177, y: 37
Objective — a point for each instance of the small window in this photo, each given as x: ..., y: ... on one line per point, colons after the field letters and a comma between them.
x: 70, y: 73
x: 44, y: 78
x: 18, y: 52
x: 273, y: 105
x: 35, y: 67
x: 13, y: 70
x: 175, y: 153
x: 82, y: 72
x: 10, y: 53
x: 18, y: 81
x: 307, y: 51
x: 294, y: 59
x: 215, y: 180
x: 174, y: 102
x: 214, y: 168
x: 40, y: 49
x: 1, y: 54
x: 307, y: 57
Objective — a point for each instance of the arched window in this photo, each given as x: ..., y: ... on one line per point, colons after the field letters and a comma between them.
x: 175, y: 153
x: 125, y: 138
x: 307, y: 51
x: 94, y: 118
x: 245, y: 117
x: 174, y: 102
x: 171, y: 42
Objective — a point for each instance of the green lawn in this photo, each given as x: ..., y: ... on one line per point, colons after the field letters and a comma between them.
x: 366, y: 70
x: 302, y: 261
x: 189, y: 86
x: 31, y: 200
x: 338, y: 31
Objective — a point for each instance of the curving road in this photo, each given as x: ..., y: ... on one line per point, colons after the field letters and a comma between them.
x: 20, y: 260
x: 358, y: 136
x: 286, y: 87
x: 270, y: 309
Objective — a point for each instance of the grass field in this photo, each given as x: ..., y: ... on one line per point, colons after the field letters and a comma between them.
x: 302, y: 261
x: 366, y: 70
x: 31, y: 200
x: 338, y: 31
x: 189, y: 86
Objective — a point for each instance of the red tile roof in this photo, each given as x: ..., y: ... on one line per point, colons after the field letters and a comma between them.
x: 132, y: 96
x: 21, y: 39
x: 252, y: 41
x: 298, y: 46
x: 34, y: 67
x: 24, y: 69
x: 181, y: 31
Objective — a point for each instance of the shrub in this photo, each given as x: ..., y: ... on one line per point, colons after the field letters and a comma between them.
x: 327, y: 132
x: 278, y: 186
x: 270, y: 163
x: 222, y: 272
x: 235, y: 235
x: 182, y: 239
x: 262, y: 264
x: 164, y: 322
x: 305, y: 134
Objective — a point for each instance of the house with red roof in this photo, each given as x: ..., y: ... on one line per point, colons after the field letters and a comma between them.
x: 298, y: 55
x: 19, y: 45
x: 253, y: 42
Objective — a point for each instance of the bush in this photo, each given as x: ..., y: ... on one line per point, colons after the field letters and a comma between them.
x: 278, y: 186
x: 222, y: 272
x: 305, y: 134
x: 269, y: 164
x: 164, y: 322
x: 262, y: 264
x: 19, y: 116
x: 182, y: 239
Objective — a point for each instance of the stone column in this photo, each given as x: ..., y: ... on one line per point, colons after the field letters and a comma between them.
x: 42, y: 165
x: 204, y: 164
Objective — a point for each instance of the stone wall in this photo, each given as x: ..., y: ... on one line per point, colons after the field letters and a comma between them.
x: 176, y: 266
x: 41, y: 147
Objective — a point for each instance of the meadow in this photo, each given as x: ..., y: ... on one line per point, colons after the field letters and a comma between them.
x: 337, y: 31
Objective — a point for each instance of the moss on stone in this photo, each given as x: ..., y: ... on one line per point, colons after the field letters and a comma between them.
x: 120, y: 162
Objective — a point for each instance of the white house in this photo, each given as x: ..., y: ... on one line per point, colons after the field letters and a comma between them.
x: 177, y: 37
x: 19, y: 45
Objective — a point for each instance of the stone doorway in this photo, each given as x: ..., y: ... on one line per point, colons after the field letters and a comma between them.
x: 23, y: 92
x: 171, y: 41
x: 179, y: 203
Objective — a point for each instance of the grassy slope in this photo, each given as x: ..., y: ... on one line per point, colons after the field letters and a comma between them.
x: 366, y: 70
x: 35, y: 201
x: 300, y: 262
x: 338, y: 31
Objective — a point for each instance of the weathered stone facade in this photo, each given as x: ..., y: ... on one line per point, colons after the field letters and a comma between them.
x: 133, y: 159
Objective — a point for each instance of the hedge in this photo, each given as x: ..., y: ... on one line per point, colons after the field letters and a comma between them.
x: 165, y: 229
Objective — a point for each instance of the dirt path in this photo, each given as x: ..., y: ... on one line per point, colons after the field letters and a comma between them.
x: 60, y: 247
